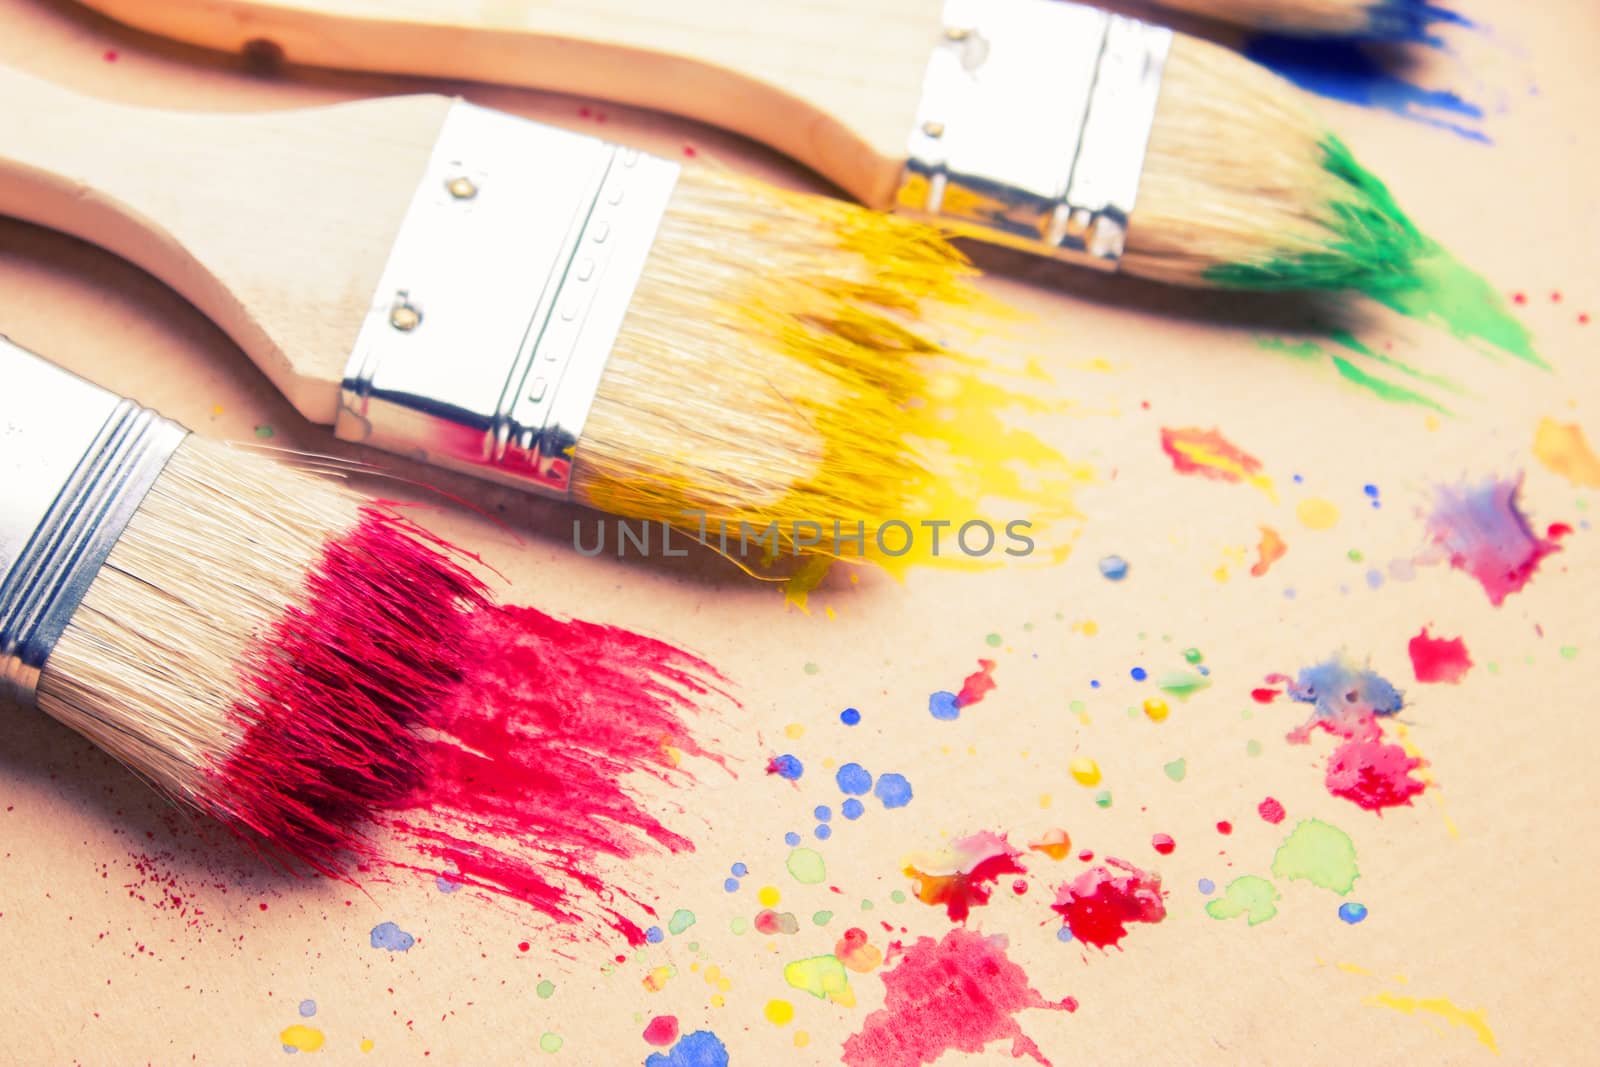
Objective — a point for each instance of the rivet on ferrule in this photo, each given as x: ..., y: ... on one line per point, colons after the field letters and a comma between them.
x: 980, y: 160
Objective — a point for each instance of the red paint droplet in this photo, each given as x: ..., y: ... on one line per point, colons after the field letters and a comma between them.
x: 1086, y: 855
x: 1519, y: 298
x: 523, y: 946
x: 1163, y: 843
x: 1019, y: 887
x: 621, y: 959
x: 1557, y: 530
x: 1224, y: 827
x: 263, y: 907
x: 1264, y: 695
x: 110, y: 55
x: 977, y: 685
x: 1271, y: 810
x: 688, y: 150
x: 1098, y: 905
x: 1144, y: 404
x: 1438, y: 659
x: 1583, y: 318
x: 1555, y: 297
x: 661, y: 1031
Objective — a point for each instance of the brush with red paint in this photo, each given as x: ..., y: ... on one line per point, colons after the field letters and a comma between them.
x: 310, y: 667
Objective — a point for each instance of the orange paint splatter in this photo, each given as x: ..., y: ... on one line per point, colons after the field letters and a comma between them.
x: 1207, y: 454
x: 1056, y: 844
x: 1269, y: 551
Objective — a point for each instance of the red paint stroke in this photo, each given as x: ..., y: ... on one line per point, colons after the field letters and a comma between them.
x: 1207, y: 454
x: 661, y: 1031
x: 964, y: 879
x: 1373, y: 775
x: 1481, y: 530
x: 1265, y: 695
x: 958, y: 994
x: 979, y: 684
x: 1098, y: 904
x: 1270, y: 550
x: 1439, y: 659
x: 1271, y: 809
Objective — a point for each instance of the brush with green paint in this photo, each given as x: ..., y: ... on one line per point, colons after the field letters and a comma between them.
x: 1051, y: 127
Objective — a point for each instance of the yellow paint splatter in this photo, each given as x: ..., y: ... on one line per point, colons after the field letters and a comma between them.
x: 718, y: 1000
x: 1563, y: 449
x: 801, y: 1039
x: 1444, y: 1008
x: 656, y: 980
x: 302, y: 1038
x: 1155, y: 710
x: 1084, y: 770
x: 1044, y: 800
x: 794, y: 731
x: 1315, y: 513
x: 366, y: 1044
x: 779, y: 1012
x: 769, y: 896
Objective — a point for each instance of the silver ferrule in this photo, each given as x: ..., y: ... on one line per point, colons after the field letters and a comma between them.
x: 1033, y: 125
x: 502, y: 298
x: 75, y: 464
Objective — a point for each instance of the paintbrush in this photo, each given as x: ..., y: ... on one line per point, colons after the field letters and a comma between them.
x: 549, y: 311
x: 1051, y: 127
x: 256, y: 642
x: 1372, y: 20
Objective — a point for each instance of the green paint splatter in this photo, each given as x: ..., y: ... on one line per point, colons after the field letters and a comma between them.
x: 1182, y: 684
x: 811, y: 668
x: 1076, y: 707
x: 993, y: 640
x: 1252, y: 747
x: 1176, y: 769
x: 1027, y: 627
x: 1569, y: 651
x: 739, y: 925
x: 681, y: 920
x: 821, y: 976
x: 898, y: 896
x: 1369, y: 243
x: 1103, y: 798
x: 545, y: 989
x: 822, y: 918
x: 1251, y: 896
x: 1449, y: 295
x: 1354, y: 555
x: 867, y: 905
x: 264, y: 433
x: 551, y: 1042
x: 1192, y: 655
x: 806, y: 866
x: 1493, y: 668
x: 1320, y: 854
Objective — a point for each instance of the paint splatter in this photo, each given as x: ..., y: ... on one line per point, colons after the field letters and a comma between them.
x: 302, y: 1038
x: 1350, y: 912
x: 1084, y: 771
x: 806, y: 866
x: 1448, y: 295
x: 1098, y: 904
x: 1183, y: 684
x: 1373, y: 775
x: 1207, y: 454
x: 1055, y: 843
x: 1251, y: 896
x: 963, y: 876
x: 786, y: 766
x: 1269, y: 550
x: 946, y: 706
x: 853, y: 779
x: 1345, y: 696
x: 1562, y: 448
x: 1271, y: 810
x: 1318, y: 853
x: 1438, y: 659
x: 1315, y: 513
x: 958, y: 994
x: 1476, y: 1021
x: 856, y: 952
x: 1113, y: 568
x: 1480, y: 529
x: 391, y: 938
x: 307, y: 1008
x: 702, y: 1048
x: 892, y: 790
x: 823, y: 977
x: 661, y: 1031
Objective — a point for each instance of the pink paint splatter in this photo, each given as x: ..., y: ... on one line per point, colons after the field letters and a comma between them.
x: 1271, y: 810
x: 1373, y: 775
x: 963, y: 878
x: 979, y: 684
x: 1481, y: 530
x: 1439, y: 659
x: 959, y: 994
x: 1163, y: 843
x: 661, y: 1031
x: 1098, y: 904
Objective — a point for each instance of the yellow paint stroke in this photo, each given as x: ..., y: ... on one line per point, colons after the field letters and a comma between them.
x: 1430, y: 787
x: 1315, y: 513
x: 302, y: 1038
x: 1444, y: 1008
x: 1191, y: 449
x: 1563, y: 449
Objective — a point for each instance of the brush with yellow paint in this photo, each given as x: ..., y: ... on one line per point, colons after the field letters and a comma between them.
x: 546, y: 310
x: 1050, y: 127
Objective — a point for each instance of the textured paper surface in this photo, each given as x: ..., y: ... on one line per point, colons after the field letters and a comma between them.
x: 129, y: 937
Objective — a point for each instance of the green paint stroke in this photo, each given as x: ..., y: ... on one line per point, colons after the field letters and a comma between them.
x: 1449, y: 295
x: 1320, y: 854
x: 1383, y: 388
x: 1251, y: 896
x: 1182, y: 684
x: 806, y: 866
x: 821, y: 976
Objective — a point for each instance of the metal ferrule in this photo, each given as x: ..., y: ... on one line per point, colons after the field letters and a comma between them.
x: 502, y: 298
x: 75, y: 464
x: 1033, y: 125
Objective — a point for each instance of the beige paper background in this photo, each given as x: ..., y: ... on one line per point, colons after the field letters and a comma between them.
x: 1498, y: 918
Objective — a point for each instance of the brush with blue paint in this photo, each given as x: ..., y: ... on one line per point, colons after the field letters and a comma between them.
x: 1054, y: 128
x: 1366, y: 20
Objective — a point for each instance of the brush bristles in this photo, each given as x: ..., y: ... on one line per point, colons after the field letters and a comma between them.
x: 1387, y: 19
x: 1244, y: 188
x: 778, y: 364
x: 262, y: 644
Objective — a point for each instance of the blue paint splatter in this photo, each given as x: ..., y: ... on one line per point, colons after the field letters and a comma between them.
x: 446, y: 884
x: 786, y: 766
x: 849, y: 716
x: 1114, y: 568
x: 943, y: 706
x: 391, y: 937
x: 893, y: 790
x: 1339, y: 690
x: 1345, y: 70
x: 822, y: 812
x: 1352, y: 912
x: 1374, y: 578
x: 853, y: 779
x: 655, y: 935
x: 699, y: 1049
x: 823, y: 831
x: 308, y: 1008
x: 852, y: 808
x: 731, y: 885
x: 1207, y: 886
x: 738, y: 870
x: 791, y: 839
x: 1138, y: 674
x: 1063, y: 935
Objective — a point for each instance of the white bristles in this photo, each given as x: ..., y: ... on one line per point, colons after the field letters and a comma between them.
x: 149, y: 667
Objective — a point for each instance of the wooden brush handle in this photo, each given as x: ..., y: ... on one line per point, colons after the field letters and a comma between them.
x: 275, y: 225
x: 832, y: 84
